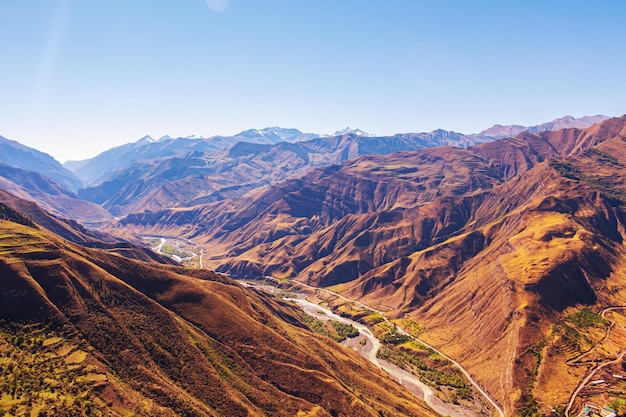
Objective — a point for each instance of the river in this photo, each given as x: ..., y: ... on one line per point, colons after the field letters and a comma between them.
x: 369, y: 349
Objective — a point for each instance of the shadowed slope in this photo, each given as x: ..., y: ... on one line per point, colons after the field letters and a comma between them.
x: 75, y: 232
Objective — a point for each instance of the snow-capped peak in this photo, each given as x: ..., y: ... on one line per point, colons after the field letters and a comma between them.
x: 357, y: 132
x: 147, y: 139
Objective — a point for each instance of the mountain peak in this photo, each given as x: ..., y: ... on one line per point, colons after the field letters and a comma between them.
x: 357, y: 132
x: 147, y: 139
x: 275, y: 134
x: 498, y: 131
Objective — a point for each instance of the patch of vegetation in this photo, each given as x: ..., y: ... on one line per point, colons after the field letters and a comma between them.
x: 618, y: 404
x: 7, y: 213
x: 344, y: 330
x: 362, y: 315
x: 170, y: 250
x: 153, y: 243
x: 574, y: 329
x: 40, y: 376
x: 420, y: 365
x: 394, y: 338
x: 285, y: 294
x: 566, y: 169
x: 413, y: 327
x: 585, y: 318
x: 529, y: 406
x: 331, y: 328
x: 431, y: 368
x: 600, y: 184
x: 600, y: 156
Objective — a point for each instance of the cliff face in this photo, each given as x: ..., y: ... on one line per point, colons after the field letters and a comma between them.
x: 486, y: 246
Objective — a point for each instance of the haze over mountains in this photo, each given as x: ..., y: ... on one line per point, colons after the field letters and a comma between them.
x: 566, y: 122
x: 492, y: 246
x: 15, y: 154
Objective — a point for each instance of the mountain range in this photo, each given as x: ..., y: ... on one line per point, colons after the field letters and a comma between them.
x: 565, y: 122
x: 505, y: 253
x: 15, y: 154
x: 487, y: 247
x: 200, y: 177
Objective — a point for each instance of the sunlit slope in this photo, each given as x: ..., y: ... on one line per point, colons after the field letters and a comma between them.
x: 487, y: 247
x: 154, y: 340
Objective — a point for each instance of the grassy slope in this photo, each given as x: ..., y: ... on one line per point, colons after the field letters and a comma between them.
x: 158, y: 342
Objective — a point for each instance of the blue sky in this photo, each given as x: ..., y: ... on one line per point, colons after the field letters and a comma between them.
x: 80, y: 76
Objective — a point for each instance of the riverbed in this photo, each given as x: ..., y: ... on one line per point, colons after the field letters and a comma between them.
x: 368, y: 350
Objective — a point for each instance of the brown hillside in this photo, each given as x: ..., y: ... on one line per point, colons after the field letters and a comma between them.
x: 486, y: 246
x: 75, y: 232
x: 126, y: 337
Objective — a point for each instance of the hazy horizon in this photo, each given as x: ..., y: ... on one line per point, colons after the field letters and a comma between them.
x: 80, y: 78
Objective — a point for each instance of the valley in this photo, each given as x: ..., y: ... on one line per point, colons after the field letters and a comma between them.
x: 369, y: 346
x: 225, y: 208
x: 144, y: 338
x: 485, y: 247
x: 183, y: 251
x: 488, y: 278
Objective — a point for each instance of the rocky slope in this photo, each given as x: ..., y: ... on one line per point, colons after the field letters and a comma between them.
x: 75, y: 232
x: 486, y: 247
x: 123, y: 337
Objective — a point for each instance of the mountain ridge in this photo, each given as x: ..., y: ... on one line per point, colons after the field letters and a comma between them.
x: 500, y: 132
x: 46, y: 191
x: 21, y: 156
x: 199, y: 177
x: 477, y: 243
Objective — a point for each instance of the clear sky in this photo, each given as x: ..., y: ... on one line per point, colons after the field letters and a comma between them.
x: 80, y: 76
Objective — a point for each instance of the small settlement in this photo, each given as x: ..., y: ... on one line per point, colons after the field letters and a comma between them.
x: 590, y: 410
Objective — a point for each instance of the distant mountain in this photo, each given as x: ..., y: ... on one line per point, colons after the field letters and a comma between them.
x: 17, y: 155
x: 51, y: 195
x: 505, y: 253
x: 198, y: 178
x: 93, y: 333
x: 357, y: 132
x: 100, y: 168
x: 273, y: 135
x: 103, y: 167
x: 566, y: 122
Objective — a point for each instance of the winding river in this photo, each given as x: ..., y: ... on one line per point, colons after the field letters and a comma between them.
x: 369, y: 349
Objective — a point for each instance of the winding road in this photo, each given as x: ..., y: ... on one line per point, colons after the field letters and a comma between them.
x: 455, y: 363
x: 598, y: 366
x: 372, y: 346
